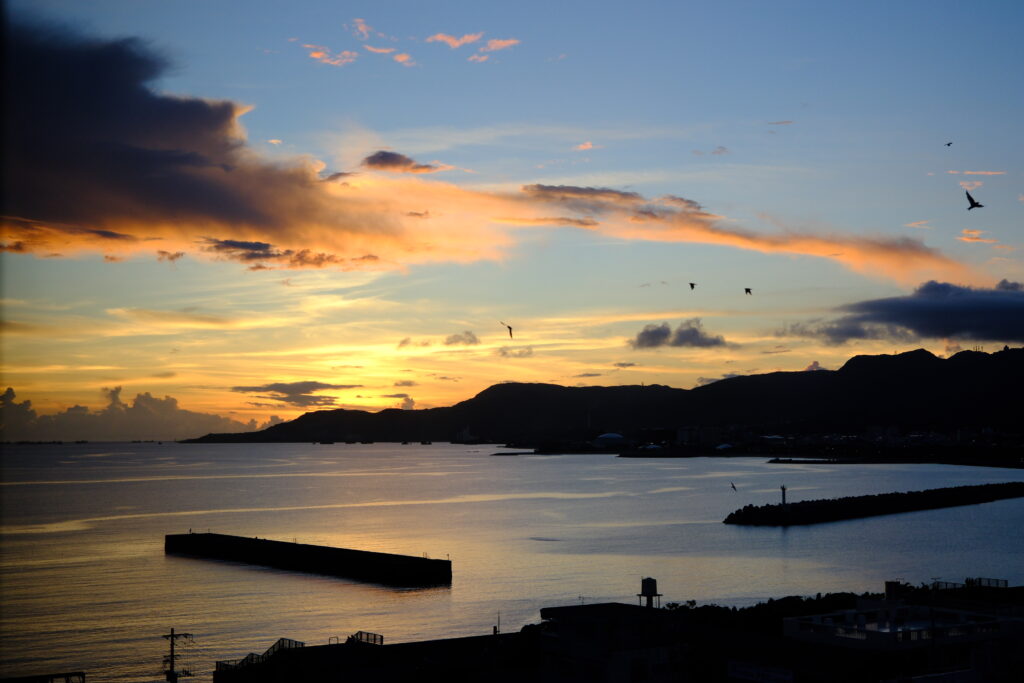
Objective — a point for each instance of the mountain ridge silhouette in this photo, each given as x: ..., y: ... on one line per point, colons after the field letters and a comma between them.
x: 915, y: 390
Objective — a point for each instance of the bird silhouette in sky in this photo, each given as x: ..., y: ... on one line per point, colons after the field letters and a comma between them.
x: 746, y: 290
x: 693, y: 285
x: 974, y: 204
x: 509, y: 328
x: 732, y: 485
x: 949, y: 144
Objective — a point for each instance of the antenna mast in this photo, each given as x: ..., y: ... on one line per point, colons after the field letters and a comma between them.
x: 170, y: 672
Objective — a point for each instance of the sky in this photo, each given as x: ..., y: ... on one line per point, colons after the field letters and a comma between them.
x: 220, y: 215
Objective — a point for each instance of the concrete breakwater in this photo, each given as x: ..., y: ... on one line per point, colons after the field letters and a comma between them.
x: 853, y: 507
x: 364, y: 565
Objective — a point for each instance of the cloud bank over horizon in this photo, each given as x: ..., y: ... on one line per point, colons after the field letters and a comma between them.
x: 145, y: 418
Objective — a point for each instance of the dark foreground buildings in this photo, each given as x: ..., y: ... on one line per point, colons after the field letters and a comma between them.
x: 942, y: 633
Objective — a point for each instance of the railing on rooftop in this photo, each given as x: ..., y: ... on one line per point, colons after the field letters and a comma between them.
x: 253, y: 658
x: 990, y: 583
x: 366, y: 637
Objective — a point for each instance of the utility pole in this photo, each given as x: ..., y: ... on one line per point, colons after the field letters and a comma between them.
x: 783, y: 487
x: 170, y: 672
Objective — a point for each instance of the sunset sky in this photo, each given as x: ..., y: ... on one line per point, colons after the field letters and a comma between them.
x: 256, y: 209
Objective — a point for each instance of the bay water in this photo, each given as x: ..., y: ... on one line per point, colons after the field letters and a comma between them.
x: 85, y: 584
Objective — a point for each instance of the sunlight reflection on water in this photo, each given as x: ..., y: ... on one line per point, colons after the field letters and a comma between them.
x: 86, y: 584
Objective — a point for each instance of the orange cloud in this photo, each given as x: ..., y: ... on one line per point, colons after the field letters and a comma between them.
x: 191, y: 185
x: 978, y: 172
x: 967, y: 235
x: 361, y: 29
x: 554, y: 220
x: 495, y: 44
x: 452, y: 41
x: 323, y: 54
x: 584, y: 146
x: 917, y: 224
x: 404, y: 59
x: 478, y: 58
x: 274, y: 141
x: 628, y: 215
x: 971, y: 184
x: 379, y: 50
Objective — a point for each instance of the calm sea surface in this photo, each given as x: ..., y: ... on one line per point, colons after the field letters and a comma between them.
x: 86, y: 586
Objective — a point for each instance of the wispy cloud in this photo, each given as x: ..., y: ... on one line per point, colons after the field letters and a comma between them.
x: 704, y: 381
x: 452, y: 41
x: 496, y: 44
x: 514, y: 352
x: 404, y: 59
x: 466, y: 338
x: 971, y: 184
x: 300, y: 394
x: 360, y: 29
x: 379, y: 50
x: 968, y: 235
x: 323, y: 54
x: 977, y: 172
x: 917, y: 224
x: 584, y: 146
x: 552, y: 220
x: 781, y: 123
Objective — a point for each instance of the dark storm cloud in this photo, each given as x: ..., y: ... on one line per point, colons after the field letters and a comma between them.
x: 85, y: 136
x: 295, y: 393
x: 935, y: 310
x: 689, y: 333
x: 95, y: 157
x: 384, y: 160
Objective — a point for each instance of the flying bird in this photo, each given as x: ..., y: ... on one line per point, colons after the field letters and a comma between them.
x: 974, y: 204
x: 732, y: 485
x: 746, y: 290
x: 693, y: 285
x: 948, y: 144
x: 509, y: 329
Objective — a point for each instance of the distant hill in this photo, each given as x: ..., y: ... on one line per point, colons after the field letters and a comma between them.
x: 908, y: 391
